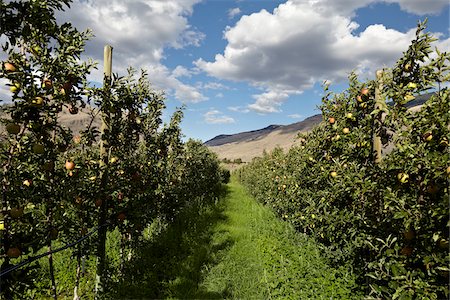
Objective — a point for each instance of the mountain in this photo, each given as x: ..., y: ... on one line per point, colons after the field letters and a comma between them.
x: 246, y: 145
x: 250, y: 144
x: 75, y: 122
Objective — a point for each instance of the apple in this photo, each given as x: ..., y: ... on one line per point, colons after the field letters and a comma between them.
x: 73, y: 110
x: 98, y: 202
x: 364, y: 91
x: 14, y: 252
x: 444, y: 141
x: 333, y: 174
x: 448, y: 170
x: 27, y: 182
x: 77, y: 139
x: 363, y: 105
x: 411, y: 85
x: 407, y: 251
x: 78, y: 200
x: 15, y: 87
x: 38, y: 148
x: 37, y: 101
x: 113, y: 159
x: 47, y: 83
x: 346, y: 130
x: 66, y: 88
x: 331, y: 120
x: 403, y: 177
x: 9, y: 67
x: 2, y: 225
x: 120, y: 196
x: 428, y: 136
x: 349, y: 115
x: 70, y: 165
x: 359, y: 98
x: 13, y: 128
x: 121, y: 217
x: 16, y: 212
x: 443, y: 244
x: 409, y: 97
x: 336, y: 138
x: 407, y: 67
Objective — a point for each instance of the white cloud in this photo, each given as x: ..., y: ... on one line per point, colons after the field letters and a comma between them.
x: 219, y: 95
x: 233, y: 12
x: 181, y: 71
x: 5, y: 94
x: 139, y: 31
x: 348, y: 7
x: 216, y: 117
x: 239, y: 109
x: 268, y: 102
x: 302, y: 43
x: 215, y: 86
x: 161, y: 76
x: 421, y: 7
x: 295, y: 116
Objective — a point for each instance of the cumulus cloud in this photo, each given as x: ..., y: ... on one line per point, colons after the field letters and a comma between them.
x: 233, y: 12
x: 268, y: 102
x: 139, y: 31
x: 301, y: 43
x: 216, y: 117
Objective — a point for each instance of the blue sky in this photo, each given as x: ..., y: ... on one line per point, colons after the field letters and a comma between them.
x: 245, y: 64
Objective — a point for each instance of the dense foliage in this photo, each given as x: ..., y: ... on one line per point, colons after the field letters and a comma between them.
x: 388, y: 220
x: 58, y: 185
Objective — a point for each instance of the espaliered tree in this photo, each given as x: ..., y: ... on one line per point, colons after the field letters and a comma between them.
x: 386, y: 218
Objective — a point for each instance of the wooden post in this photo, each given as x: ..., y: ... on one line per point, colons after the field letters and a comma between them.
x: 101, y: 251
x: 378, y: 105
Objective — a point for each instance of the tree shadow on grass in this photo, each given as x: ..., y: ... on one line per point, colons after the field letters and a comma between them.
x: 174, y: 262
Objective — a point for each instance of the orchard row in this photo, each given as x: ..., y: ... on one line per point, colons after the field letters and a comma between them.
x: 57, y: 188
x: 384, y: 217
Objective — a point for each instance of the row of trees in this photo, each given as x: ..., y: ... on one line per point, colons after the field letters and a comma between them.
x: 385, y: 218
x: 56, y: 187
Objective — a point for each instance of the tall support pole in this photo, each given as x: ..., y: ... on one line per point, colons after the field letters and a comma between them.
x: 104, y: 149
x: 378, y: 118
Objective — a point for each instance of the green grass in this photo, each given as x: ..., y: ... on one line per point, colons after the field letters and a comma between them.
x: 226, y: 249
x: 268, y: 259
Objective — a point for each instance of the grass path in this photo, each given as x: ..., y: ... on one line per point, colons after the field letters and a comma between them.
x: 234, y: 249
x: 268, y: 259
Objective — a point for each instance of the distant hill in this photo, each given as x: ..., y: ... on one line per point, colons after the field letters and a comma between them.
x: 75, y: 122
x: 250, y: 144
